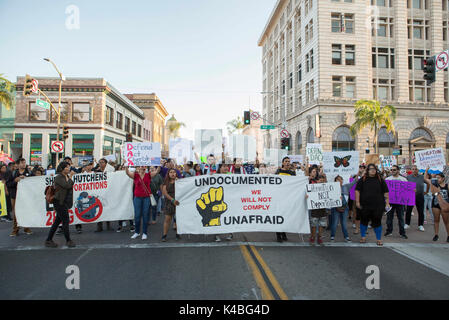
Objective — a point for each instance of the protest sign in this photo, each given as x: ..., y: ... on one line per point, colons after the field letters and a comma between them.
x: 242, y: 147
x: 273, y: 157
x: 387, y: 161
x: 314, y: 151
x: 181, y: 150
x: 296, y: 158
x: 352, y: 191
x: 50, y: 172
x: 209, y: 142
x: 142, y: 154
x: 401, y: 192
x: 102, y: 196
x: 111, y: 158
x: 343, y: 163
x: 241, y: 203
x: 372, y: 158
x: 3, y: 208
x: 324, y: 195
x: 432, y: 158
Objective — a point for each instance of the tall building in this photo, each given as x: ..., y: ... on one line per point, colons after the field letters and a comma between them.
x: 97, y: 115
x: 320, y: 57
x: 155, y: 114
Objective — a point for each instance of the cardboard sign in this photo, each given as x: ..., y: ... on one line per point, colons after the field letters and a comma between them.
x: 138, y: 154
x: 314, y: 151
x: 387, y: 161
x: 342, y: 163
x: 401, y: 192
x: 372, y: 158
x: 432, y: 158
x: 324, y: 195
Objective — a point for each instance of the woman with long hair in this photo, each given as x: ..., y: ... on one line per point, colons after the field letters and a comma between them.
x: 168, y: 190
x: 371, y: 196
x: 437, y: 211
x: 198, y: 170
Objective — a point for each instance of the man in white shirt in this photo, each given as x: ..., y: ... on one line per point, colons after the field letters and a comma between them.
x: 398, y: 208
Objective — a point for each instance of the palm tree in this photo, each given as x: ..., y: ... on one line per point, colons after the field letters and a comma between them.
x: 235, y: 125
x: 173, y: 126
x: 7, y: 92
x: 371, y: 113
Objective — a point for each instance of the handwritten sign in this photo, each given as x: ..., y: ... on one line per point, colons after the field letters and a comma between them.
x: 432, y: 158
x: 296, y: 158
x: 388, y: 161
x: 343, y: 163
x: 138, y: 154
x: 314, y: 151
x: 401, y: 192
x: 323, y: 195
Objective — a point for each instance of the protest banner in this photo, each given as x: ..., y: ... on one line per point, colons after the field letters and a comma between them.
x: 209, y: 142
x: 323, y: 195
x: 343, y: 163
x: 296, y: 158
x: 372, y: 158
x: 314, y: 151
x: 401, y: 192
x: 181, y: 150
x: 387, y: 162
x: 241, y: 203
x: 273, y: 157
x: 430, y: 158
x: 242, y: 147
x: 138, y: 154
x: 102, y: 196
x: 352, y: 191
x: 3, y: 208
x: 111, y: 157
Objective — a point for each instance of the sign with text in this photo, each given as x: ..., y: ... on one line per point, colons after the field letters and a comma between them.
x: 430, y: 158
x: 181, y: 150
x: 401, y: 192
x: 314, y: 151
x: 323, y: 195
x: 209, y: 142
x: 343, y: 163
x: 138, y: 154
x: 388, y: 161
x: 296, y: 158
x: 242, y: 147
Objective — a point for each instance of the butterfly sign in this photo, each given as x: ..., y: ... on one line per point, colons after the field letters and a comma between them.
x: 343, y: 163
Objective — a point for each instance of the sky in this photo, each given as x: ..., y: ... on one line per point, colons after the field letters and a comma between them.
x: 199, y: 56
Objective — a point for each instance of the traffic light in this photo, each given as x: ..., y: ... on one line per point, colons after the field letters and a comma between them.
x: 129, y: 137
x: 247, y: 117
x: 65, y: 133
x: 429, y: 70
x: 27, y: 85
x: 285, y: 143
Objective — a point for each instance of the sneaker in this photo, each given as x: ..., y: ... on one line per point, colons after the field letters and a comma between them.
x: 144, y: 236
x: 164, y: 238
x: 217, y: 239
x: 388, y: 234
x: 413, y: 213
x: 135, y: 235
x: 348, y: 239
x: 403, y: 236
x: 178, y: 237
x: 435, y: 238
x: 119, y: 229
x: 320, y: 241
x: 71, y: 244
x: 421, y: 228
x: 229, y: 238
x: 332, y: 239
x: 406, y: 226
x: 14, y: 233
x: 132, y: 229
x: 50, y: 244
x: 28, y: 231
x: 354, y: 226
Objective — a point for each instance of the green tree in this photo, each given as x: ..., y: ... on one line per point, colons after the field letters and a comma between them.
x: 371, y: 113
x: 235, y: 125
x: 7, y: 93
x: 173, y: 128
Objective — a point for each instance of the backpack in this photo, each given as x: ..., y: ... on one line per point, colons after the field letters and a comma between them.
x: 50, y: 194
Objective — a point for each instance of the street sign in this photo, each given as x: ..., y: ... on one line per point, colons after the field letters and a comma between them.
x: 35, y: 86
x: 396, y: 152
x: 255, y: 115
x: 267, y: 127
x: 442, y: 61
x: 285, y: 134
x: 57, y: 146
x: 42, y: 104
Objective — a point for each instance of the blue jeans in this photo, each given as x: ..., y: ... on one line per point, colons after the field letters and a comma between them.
x: 428, y: 205
x: 141, y: 208
x: 342, y: 216
x: 153, y: 209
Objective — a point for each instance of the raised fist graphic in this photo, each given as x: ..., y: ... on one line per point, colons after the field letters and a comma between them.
x: 211, y: 206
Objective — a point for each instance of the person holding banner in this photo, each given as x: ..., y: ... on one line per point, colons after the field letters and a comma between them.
x: 284, y: 171
x: 371, y: 196
x: 443, y: 192
x: 398, y: 208
x: 101, y: 167
x: 141, y: 201
x: 168, y: 190
x: 63, y: 201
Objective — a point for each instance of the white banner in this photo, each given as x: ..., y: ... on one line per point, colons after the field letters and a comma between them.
x: 242, y: 147
x: 343, y: 163
x: 97, y: 197
x: 314, y: 151
x: 181, y: 150
x: 324, y: 195
x: 209, y: 142
x: 138, y: 154
x: 241, y: 203
x: 432, y: 158
x: 296, y: 158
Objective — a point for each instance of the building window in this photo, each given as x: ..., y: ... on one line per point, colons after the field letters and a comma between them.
x: 336, y: 86
x: 139, y: 130
x: 386, y: 142
x: 350, y: 55
x: 300, y: 72
x: 336, y: 22
x: 37, y: 113
x: 336, y: 54
x: 127, y: 124
x: 283, y: 87
x: 36, y: 149
x: 81, y: 112
x: 134, y: 128
x: 418, y: 91
x: 383, y: 58
x: 65, y: 111
x: 384, y: 89
x: 298, y: 142
x: 290, y: 80
x: 310, y: 136
x: 349, y: 23
x: 416, y: 59
x: 350, y: 87
x: 418, y: 29
x: 299, y: 98
x: 307, y: 63
x: 311, y: 59
x: 109, y: 116
x: 342, y: 140
x: 119, y: 121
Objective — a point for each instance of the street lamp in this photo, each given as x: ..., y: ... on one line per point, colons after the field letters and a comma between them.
x: 61, y: 78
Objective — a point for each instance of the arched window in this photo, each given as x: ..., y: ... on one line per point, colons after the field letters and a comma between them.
x: 342, y: 140
x: 310, y: 136
x: 386, y: 142
x: 421, y: 132
x: 298, y: 142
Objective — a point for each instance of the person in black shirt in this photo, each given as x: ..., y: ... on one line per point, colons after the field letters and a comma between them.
x: 371, y: 196
x: 284, y: 171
